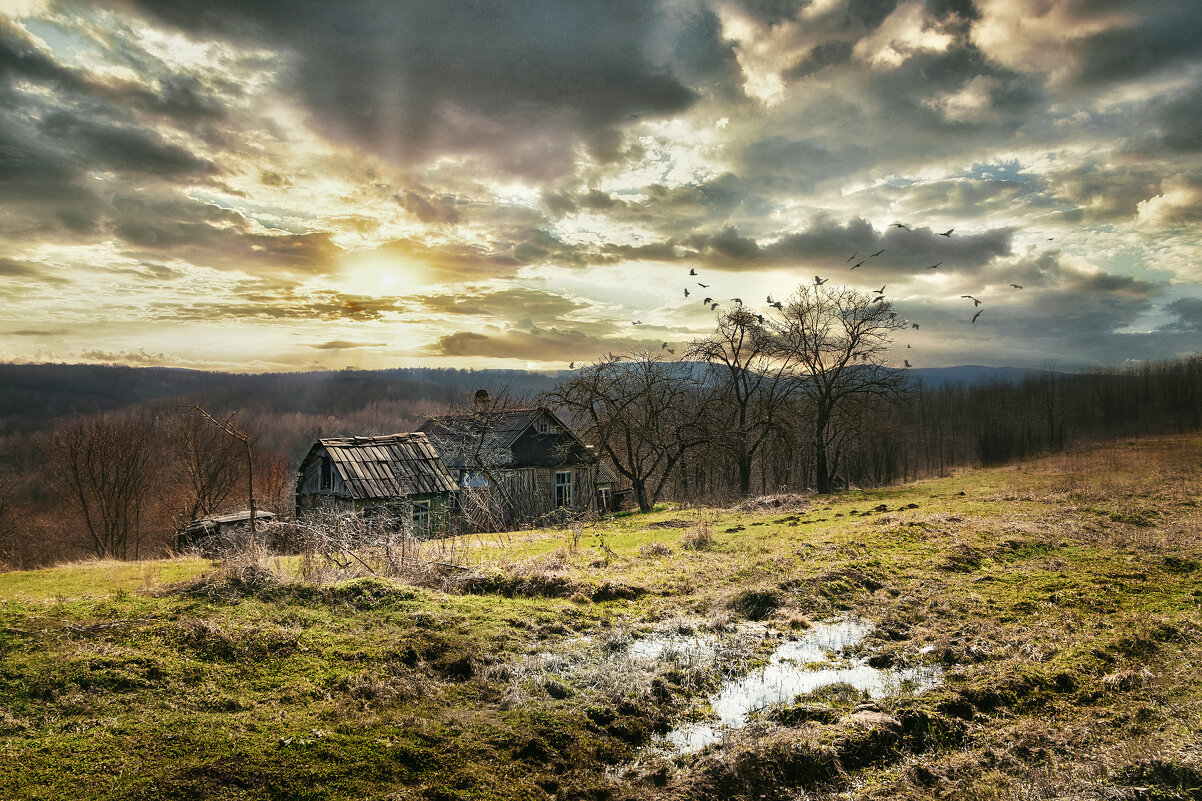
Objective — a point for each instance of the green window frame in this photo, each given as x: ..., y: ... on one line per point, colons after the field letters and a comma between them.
x: 563, y: 488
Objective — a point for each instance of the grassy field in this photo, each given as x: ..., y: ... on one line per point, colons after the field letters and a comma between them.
x: 1062, y: 598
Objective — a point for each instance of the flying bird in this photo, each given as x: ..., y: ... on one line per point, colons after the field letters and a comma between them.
x: 975, y: 302
x: 1017, y: 286
x: 770, y: 297
x: 878, y: 298
x: 692, y: 271
x: 686, y: 291
x: 978, y: 314
x: 760, y: 317
x: 571, y: 365
x: 817, y: 282
x: 880, y: 291
x: 933, y: 266
x: 900, y: 225
x: 714, y: 306
x: 777, y: 305
x: 907, y: 361
x: 907, y: 344
x: 857, y: 264
x: 703, y: 286
x: 669, y: 350
x: 852, y: 256
x: 879, y: 252
x: 948, y: 232
x: 708, y: 300
x: 636, y: 322
x: 914, y: 326
x: 738, y: 301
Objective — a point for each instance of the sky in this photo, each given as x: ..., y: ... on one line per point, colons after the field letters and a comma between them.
x: 298, y: 184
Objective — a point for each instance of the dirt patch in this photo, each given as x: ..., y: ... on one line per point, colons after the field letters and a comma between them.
x: 673, y: 523
x: 791, y: 501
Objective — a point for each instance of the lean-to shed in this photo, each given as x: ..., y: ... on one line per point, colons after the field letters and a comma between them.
x: 394, y: 473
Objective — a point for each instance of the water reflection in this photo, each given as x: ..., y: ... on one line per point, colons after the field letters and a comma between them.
x: 795, y: 667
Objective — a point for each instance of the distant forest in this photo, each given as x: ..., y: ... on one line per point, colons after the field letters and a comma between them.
x: 58, y: 422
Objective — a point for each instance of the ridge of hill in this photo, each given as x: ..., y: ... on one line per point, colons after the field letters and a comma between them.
x: 35, y: 394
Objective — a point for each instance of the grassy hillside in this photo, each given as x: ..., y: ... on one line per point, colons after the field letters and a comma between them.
x: 1062, y: 598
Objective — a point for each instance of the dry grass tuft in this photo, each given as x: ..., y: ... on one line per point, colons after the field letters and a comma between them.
x: 653, y: 549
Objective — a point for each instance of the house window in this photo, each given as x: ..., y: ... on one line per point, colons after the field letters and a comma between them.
x: 421, y: 517
x: 543, y: 425
x: 563, y: 488
x: 327, y: 473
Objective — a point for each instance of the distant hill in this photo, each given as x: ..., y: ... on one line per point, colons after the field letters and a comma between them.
x: 972, y: 374
x: 33, y: 395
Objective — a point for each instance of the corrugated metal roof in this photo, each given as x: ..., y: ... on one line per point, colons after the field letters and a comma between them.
x: 390, y: 466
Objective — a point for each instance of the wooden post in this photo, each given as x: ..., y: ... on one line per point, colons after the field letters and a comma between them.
x: 227, y: 425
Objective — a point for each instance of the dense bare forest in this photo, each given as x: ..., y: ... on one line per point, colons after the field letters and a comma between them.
x: 113, y: 478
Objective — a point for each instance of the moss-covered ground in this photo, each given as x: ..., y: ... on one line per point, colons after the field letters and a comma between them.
x: 1062, y: 597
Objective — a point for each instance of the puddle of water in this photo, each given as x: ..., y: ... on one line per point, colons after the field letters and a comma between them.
x: 657, y: 648
x: 795, y: 667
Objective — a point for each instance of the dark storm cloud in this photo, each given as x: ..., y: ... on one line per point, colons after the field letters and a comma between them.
x: 1163, y: 34
x: 974, y: 197
x: 672, y: 211
x: 827, y: 244
x: 121, y: 147
x: 825, y: 54
x: 169, y: 224
x: 1101, y: 192
x: 429, y: 207
x: 1047, y: 271
x: 1181, y: 122
x: 511, y: 304
x: 183, y: 97
x: 1177, y: 129
x: 528, y: 341
x: 28, y: 271
x: 1188, y: 312
x: 268, y: 303
x: 520, y: 82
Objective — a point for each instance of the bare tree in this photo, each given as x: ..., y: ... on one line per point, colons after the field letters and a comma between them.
x: 248, y: 441
x: 747, y: 386
x: 640, y: 411
x: 833, y: 341
x: 105, y: 463
x: 206, y: 465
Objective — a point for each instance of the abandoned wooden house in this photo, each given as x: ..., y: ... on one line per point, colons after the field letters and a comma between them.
x: 395, y: 474
x: 531, y: 462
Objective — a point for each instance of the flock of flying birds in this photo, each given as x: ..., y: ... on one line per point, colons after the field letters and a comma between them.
x: 819, y: 281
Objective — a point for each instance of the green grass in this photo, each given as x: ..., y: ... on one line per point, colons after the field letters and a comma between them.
x: 97, y: 578
x: 1060, y: 595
